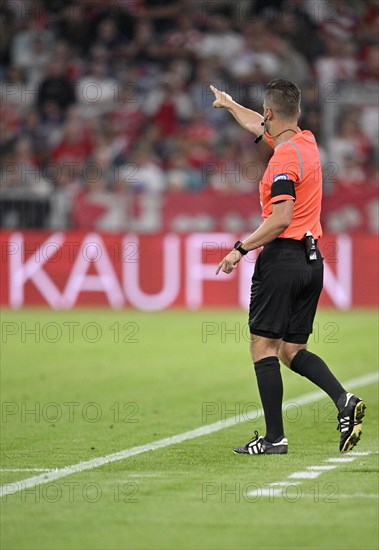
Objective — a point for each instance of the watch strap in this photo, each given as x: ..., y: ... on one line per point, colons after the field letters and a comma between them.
x: 238, y: 246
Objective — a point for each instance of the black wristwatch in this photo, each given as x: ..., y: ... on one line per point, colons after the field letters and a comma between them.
x: 238, y: 246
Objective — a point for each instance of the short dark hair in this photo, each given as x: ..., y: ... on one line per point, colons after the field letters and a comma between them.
x: 284, y: 96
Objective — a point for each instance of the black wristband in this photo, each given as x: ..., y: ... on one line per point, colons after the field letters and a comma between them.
x: 238, y: 246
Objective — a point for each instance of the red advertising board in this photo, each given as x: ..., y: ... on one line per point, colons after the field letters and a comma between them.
x: 348, y: 209
x: 63, y: 270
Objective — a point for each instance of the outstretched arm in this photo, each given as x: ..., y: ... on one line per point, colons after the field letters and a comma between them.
x: 248, y: 119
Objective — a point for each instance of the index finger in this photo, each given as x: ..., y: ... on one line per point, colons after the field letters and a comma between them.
x: 219, y: 267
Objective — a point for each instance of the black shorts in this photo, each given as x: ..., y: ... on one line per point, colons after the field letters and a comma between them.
x: 285, y: 291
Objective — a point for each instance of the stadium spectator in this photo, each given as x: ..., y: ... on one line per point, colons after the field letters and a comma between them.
x: 369, y: 66
x: 181, y: 176
x: 339, y: 63
x: 159, y: 13
x: 202, y: 100
x: 22, y: 174
x: 74, y: 27
x: 67, y: 187
x: 220, y: 42
x: 168, y: 104
x: 31, y: 47
x: 292, y: 64
x: 15, y: 90
x: 96, y: 92
x: 350, y: 151
x: 256, y: 62
x: 296, y: 22
x: 75, y: 146
x: 88, y: 79
x: 142, y: 172
x: 6, y: 33
x: 56, y: 87
x: 184, y: 38
x: 108, y: 36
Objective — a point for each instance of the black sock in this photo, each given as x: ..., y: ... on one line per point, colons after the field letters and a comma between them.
x: 313, y: 367
x: 271, y: 391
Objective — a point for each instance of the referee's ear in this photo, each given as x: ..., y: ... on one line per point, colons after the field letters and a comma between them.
x: 269, y: 113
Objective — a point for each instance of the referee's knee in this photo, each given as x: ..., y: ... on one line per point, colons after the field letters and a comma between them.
x: 261, y: 347
x: 287, y: 352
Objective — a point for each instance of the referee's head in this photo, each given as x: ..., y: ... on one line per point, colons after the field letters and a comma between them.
x: 282, y: 98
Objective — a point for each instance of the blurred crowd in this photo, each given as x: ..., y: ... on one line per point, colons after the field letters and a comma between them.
x: 112, y: 96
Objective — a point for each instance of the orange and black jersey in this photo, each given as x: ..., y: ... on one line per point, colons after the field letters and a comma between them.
x: 294, y: 173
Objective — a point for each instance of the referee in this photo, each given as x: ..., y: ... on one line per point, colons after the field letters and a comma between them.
x: 288, y: 274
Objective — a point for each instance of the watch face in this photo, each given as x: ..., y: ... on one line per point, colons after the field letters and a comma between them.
x: 237, y: 244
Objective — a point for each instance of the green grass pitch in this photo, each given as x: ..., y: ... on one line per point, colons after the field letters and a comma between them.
x: 100, y: 381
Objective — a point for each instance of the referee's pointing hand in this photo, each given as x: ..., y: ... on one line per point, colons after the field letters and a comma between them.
x: 222, y: 99
x: 229, y: 262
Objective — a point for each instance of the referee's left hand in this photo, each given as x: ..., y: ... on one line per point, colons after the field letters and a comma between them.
x: 229, y: 262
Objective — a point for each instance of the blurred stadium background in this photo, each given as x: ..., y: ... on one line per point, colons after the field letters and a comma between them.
x: 121, y: 189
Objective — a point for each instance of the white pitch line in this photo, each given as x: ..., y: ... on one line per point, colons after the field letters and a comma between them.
x: 321, y: 468
x: 361, y: 453
x: 338, y: 460
x: 304, y: 475
x: 283, y: 483
x: 337, y: 496
x: 273, y: 489
x: 12, y: 488
x: 144, y: 475
x: 27, y: 470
